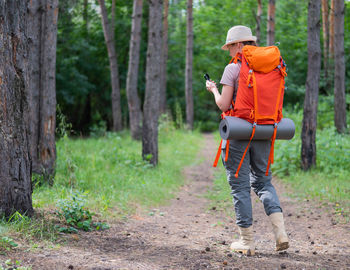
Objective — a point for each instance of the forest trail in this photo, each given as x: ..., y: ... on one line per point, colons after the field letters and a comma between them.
x: 185, y: 234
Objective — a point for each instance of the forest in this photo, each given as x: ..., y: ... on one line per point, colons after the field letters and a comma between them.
x: 106, y: 123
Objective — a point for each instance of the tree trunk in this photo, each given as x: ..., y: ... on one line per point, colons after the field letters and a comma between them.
x: 331, y: 31
x: 42, y: 33
x: 258, y: 22
x: 15, y: 165
x: 163, y: 76
x: 339, y: 68
x: 271, y: 23
x: 308, y: 135
x: 151, y: 103
x: 135, y: 114
x: 325, y: 26
x: 108, y: 30
x: 189, y: 60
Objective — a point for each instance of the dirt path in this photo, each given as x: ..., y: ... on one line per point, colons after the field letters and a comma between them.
x: 186, y: 235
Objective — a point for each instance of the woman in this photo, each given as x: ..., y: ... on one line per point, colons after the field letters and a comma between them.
x: 252, y: 172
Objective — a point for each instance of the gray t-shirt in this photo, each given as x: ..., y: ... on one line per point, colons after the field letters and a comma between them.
x: 230, y: 77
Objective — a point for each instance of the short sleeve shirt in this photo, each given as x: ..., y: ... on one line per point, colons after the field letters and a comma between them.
x: 230, y: 77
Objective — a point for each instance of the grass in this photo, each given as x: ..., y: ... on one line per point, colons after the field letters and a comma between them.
x: 111, y: 173
x: 328, y: 183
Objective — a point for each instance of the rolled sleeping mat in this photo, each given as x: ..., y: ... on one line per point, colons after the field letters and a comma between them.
x: 234, y: 128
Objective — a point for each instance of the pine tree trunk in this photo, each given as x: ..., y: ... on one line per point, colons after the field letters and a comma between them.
x: 308, y: 135
x: 15, y: 165
x: 331, y: 32
x: 271, y: 23
x: 135, y: 114
x: 258, y: 22
x: 47, y: 146
x: 189, y: 60
x: 42, y: 33
x: 325, y: 26
x: 108, y: 30
x: 151, y: 103
x: 34, y: 27
x: 339, y: 68
x: 163, y: 76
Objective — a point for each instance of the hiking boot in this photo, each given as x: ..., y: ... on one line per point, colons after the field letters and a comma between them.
x: 279, y: 231
x: 245, y: 244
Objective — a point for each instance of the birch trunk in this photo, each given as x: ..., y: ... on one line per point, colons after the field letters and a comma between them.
x: 339, y: 67
x: 15, y: 165
x: 271, y: 23
x: 162, y: 98
x: 308, y: 135
x: 189, y: 60
x: 151, y: 104
x: 108, y: 30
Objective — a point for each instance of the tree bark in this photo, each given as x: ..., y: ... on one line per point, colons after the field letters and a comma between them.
x: 42, y: 33
x: 331, y: 31
x: 135, y: 114
x: 339, y: 67
x: 258, y: 22
x: 108, y: 30
x: 15, y: 165
x: 271, y: 23
x: 162, y: 98
x: 325, y: 27
x: 308, y: 135
x: 189, y: 60
x: 151, y: 103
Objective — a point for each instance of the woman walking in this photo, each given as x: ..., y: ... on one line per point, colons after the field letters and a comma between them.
x: 252, y: 169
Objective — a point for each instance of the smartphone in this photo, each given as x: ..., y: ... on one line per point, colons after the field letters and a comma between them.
x: 206, y: 77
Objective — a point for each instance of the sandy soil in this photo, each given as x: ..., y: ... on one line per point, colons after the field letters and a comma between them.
x: 187, y: 235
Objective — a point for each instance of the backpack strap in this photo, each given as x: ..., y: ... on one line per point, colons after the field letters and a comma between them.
x: 245, y: 151
x: 217, y: 155
x: 273, y: 138
x: 271, y: 155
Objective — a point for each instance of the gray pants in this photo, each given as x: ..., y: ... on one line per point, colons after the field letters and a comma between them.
x: 251, y: 175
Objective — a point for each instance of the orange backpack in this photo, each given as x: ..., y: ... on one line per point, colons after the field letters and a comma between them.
x: 260, y: 93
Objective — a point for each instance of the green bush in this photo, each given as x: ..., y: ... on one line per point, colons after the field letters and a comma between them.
x: 75, y: 214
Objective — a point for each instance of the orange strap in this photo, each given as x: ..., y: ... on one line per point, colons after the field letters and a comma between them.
x: 245, y: 151
x: 271, y: 155
x: 217, y: 155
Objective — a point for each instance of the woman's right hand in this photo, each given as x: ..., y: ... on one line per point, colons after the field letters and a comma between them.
x: 211, y: 86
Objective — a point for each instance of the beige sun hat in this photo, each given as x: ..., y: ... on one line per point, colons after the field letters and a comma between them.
x: 238, y: 33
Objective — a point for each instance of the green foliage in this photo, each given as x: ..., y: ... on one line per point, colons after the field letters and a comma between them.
x: 9, y: 265
x: 83, y: 78
x: 7, y: 243
x: 75, y: 214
